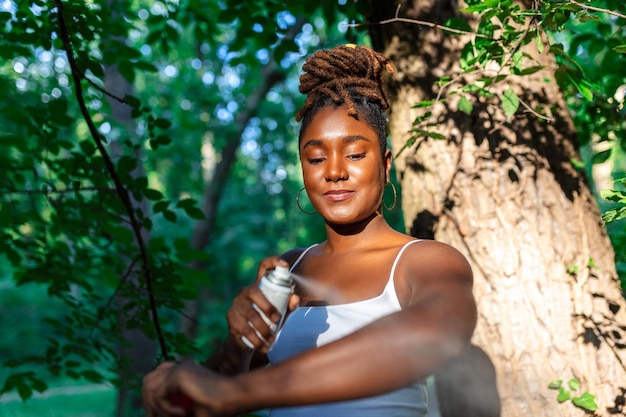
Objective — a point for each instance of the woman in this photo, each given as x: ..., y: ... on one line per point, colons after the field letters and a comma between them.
x: 381, y: 310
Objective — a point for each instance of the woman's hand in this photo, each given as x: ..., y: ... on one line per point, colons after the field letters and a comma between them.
x: 184, y: 389
x: 252, y: 319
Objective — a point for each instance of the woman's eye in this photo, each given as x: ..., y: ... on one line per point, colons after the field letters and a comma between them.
x: 315, y: 161
x: 356, y: 156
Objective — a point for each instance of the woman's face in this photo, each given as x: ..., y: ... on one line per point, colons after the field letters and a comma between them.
x: 344, y: 172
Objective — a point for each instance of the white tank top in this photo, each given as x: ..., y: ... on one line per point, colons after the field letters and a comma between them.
x: 310, y: 327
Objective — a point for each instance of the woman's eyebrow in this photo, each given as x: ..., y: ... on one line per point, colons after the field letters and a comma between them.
x: 346, y: 139
x: 312, y: 142
x: 355, y: 138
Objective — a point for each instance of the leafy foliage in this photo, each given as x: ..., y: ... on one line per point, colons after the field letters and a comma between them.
x: 98, y: 209
x: 585, y: 400
x: 93, y: 205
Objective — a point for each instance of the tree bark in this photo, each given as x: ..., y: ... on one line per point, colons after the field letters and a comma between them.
x: 504, y: 192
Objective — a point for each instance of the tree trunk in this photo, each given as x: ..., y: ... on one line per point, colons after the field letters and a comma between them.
x: 139, y: 352
x: 504, y: 192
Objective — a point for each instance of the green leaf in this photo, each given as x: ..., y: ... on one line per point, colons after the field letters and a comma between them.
x: 583, y: 89
x: 132, y: 101
x: 162, y: 123
x: 39, y: 385
x: 152, y: 194
x: 160, y: 206
x: 92, y: 376
x: 186, y: 202
x: 586, y: 401
x: 602, y: 156
x: 530, y: 70
x: 425, y: 103
x: 459, y: 24
x: 122, y: 234
x: 487, y: 4
x: 614, y: 215
x: 87, y: 147
x: 195, y: 213
x: 538, y: 42
x: 620, y: 49
x: 613, y: 195
x: 465, y: 105
x: 163, y: 139
x: 591, y: 264
x: 564, y: 395
x: 574, y: 384
x: 170, y: 216
x: 555, y: 384
x: 577, y: 163
x: 24, y: 390
x: 510, y: 102
x: 145, y: 66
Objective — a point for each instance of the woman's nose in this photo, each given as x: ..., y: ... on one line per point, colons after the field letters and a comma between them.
x: 336, y: 170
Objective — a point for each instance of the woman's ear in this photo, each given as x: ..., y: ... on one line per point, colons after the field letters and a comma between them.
x: 387, y: 160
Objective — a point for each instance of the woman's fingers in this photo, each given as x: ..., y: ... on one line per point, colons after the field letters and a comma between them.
x: 294, y: 301
x: 252, y: 319
x: 268, y: 264
x: 154, y: 392
x: 248, y: 319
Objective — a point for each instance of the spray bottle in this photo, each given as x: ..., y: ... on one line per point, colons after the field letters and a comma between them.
x: 277, y: 286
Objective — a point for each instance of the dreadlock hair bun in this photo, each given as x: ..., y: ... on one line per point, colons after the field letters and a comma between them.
x: 349, y: 76
x: 341, y: 74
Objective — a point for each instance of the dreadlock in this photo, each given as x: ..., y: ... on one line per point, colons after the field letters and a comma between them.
x: 349, y: 76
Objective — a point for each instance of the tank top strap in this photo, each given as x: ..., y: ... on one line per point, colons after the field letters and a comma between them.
x: 390, y: 284
x: 304, y: 252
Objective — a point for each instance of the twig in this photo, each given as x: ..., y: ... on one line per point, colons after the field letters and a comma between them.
x: 598, y: 9
x: 119, y: 186
x: 117, y: 291
x: 102, y: 90
x: 432, y: 25
x: 536, y: 113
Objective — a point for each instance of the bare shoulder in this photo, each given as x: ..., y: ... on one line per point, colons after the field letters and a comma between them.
x: 429, y: 266
x: 431, y: 254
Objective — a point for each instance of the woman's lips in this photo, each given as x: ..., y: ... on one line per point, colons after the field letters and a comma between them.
x: 338, y: 195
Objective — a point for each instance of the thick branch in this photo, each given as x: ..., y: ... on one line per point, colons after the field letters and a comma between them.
x: 121, y: 191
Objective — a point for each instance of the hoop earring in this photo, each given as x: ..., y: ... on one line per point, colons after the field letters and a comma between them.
x: 395, y: 196
x: 299, y: 206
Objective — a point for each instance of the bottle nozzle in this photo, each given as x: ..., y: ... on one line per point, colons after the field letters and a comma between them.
x: 281, y: 275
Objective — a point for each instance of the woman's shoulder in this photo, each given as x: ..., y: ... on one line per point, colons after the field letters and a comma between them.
x: 427, y: 259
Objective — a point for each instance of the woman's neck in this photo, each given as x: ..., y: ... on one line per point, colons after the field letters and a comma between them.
x: 345, y: 237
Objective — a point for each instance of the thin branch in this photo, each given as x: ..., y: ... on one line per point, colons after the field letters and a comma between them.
x: 536, y: 113
x: 182, y: 313
x: 432, y: 25
x: 102, y: 90
x: 122, y: 192
x: 117, y: 291
x: 598, y: 9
